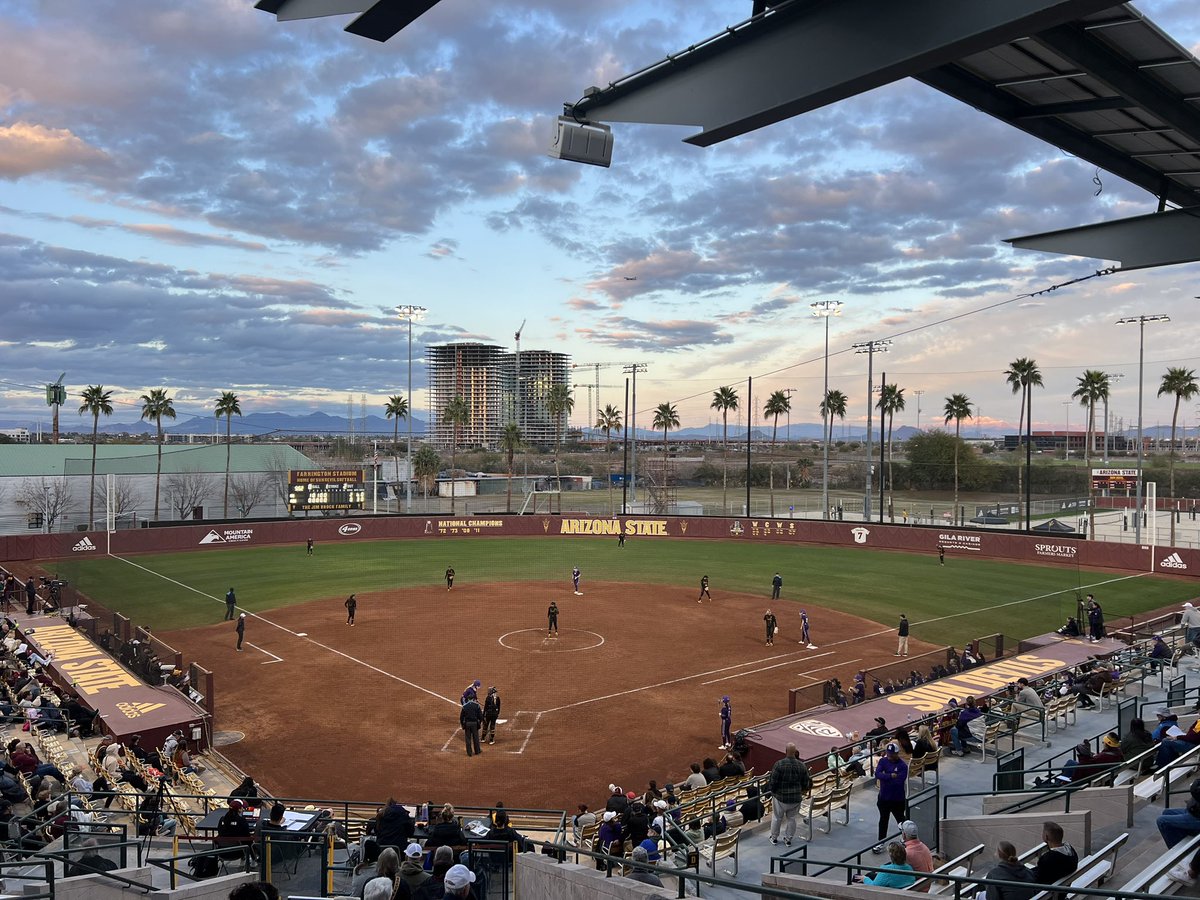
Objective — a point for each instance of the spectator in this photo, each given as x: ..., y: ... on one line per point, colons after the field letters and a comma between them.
x: 891, y: 774
x: 903, y: 740
x: 896, y: 874
x: 583, y: 819
x: 443, y: 860
x: 248, y: 792
x: 710, y: 770
x: 1075, y: 769
x: 1176, y: 824
x: 1030, y: 705
x: 90, y: 862
x: 259, y: 890
x: 718, y: 824
x: 636, y: 822
x: 652, y: 793
x: 1008, y: 869
x: 458, y: 881
x: 878, y: 733
x: 1171, y: 745
x: 639, y: 868
x: 1186, y: 873
x: 411, y: 870
x: 609, y: 836
x: 385, y: 889
x: 696, y: 780
x: 1058, y: 860
x: 1160, y: 654
x: 1137, y: 741
x: 446, y: 832
x: 1166, y: 721
x: 961, y: 735
x: 233, y: 832
x: 394, y: 827
x: 842, y: 767
x: 387, y: 866
x: 752, y: 808
x: 917, y: 854
x: 651, y: 844
x: 1071, y: 629
x: 731, y: 767
x: 618, y: 802
x: 789, y: 783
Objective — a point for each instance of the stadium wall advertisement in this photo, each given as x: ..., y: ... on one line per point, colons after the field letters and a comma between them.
x: 910, y: 539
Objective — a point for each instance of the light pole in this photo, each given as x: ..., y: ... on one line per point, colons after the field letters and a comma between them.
x: 918, y: 394
x: 1140, y: 321
x: 824, y: 309
x: 787, y: 392
x: 1067, y: 439
x: 408, y: 312
x: 1111, y: 376
x: 870, y: 348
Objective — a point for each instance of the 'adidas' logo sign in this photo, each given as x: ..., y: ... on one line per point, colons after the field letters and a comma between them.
x: 84, y: 544
x: 1172, y: 562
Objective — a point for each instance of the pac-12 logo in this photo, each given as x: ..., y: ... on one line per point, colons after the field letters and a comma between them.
x: 816, y: 728
x: 860, y: 534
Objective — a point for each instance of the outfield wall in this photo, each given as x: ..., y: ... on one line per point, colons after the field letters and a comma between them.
x: 911, y: 539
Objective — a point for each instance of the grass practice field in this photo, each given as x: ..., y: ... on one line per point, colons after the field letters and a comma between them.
x: 627, y: 691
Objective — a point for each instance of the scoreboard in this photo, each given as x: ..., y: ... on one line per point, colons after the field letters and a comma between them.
x: 1124, y: 480
x: 326, y: 489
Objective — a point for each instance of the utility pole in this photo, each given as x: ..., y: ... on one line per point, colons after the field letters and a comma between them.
x: 825, y: 309
x: 633, y: 369
x: 871, y: 348
x: 1111, y: 376
x: 918, y: 394
x: 408, y: 313
x: 1140, y: 321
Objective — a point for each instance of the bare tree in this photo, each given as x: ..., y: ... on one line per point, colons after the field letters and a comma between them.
x: 277, y: 477
x: 186, y: 490
x: 49, y: 497
x: 249, y: 491
x: 125, y: 497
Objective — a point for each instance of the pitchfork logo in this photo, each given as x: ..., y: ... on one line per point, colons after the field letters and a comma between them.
x: 736, y: 528
x: 860, y: 534
x: 816, y: 728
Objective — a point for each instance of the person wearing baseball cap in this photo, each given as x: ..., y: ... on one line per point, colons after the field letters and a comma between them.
x: 919, y: 855
x: 891, y: 774
x: 411, y: 869
x: 1190, y: 619
x: 458, y: 881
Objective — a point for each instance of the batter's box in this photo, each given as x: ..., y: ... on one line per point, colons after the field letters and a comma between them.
x: 514, y: 735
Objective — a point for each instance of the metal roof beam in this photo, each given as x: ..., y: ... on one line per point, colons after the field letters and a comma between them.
x: 1159, y: 239
x: 1123, y: 77
x: 801, y: 56
x: 1071, y: 107
x: 975, y: 92
x: 378, y: 20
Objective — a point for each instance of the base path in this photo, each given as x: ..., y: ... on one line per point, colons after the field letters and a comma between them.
x: 628, y: 690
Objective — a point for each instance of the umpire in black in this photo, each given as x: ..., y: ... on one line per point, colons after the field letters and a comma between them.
x: 470, y: 717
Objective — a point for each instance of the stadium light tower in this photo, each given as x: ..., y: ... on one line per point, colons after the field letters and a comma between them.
x: 824, y: 309
x: 1140, y: 321
x: 870, y: 348
x: 409, y: 312
x: 1112, y: 377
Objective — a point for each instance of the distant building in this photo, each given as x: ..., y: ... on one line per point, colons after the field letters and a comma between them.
x: 498, y: 388
x: 16, y: 435
x: 1075, y: 441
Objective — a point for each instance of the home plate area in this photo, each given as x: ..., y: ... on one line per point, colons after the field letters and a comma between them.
x: 514, y: 735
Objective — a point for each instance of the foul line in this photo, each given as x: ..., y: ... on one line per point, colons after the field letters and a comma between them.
x: 273, y: 659
x: 786, y: 662
x: 823, y: 668
x: 294, y: 634
x: 1030, y: 599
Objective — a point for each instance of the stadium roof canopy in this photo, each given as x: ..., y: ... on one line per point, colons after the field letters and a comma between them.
x: 54, y: 460
x: 1095, y: 78
x: 374, y: 19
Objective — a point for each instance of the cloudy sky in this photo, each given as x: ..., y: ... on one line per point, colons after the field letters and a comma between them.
x: 195, y: 196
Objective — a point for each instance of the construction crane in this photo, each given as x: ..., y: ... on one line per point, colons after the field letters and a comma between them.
x: 519, y: 409
x: 595, y: 407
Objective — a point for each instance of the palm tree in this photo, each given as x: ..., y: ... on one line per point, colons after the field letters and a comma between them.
x: 958, y: 407
x: 155, y: 406
x: 396, y: 409
x: 1182, y: 383
x: 834, y: 405
x: 891, y: 401
x: 778, y: 404
x: 426, y: 464
x: 725, y: 401
x: 228, y: 406
x: 510, y: 443
x: 608, y: 421
x: 96, y: 401
x: 1022, y: 375
x: 666, y: 417
x: 559, y: 402
x: 456, y: 414
x: 1092, y: 387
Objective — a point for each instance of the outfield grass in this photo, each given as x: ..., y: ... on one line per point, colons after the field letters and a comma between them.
x: 872, y: 584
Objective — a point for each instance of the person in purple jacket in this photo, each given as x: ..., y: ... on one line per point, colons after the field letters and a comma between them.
x: 891, y: 774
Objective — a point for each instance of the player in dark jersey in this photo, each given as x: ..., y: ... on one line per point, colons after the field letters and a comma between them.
x: 552, y: 619
x: 309, y: 548
x: 449, y: 577
x: 351, y: 609
x: 772, y: 626
x: 726, y: 714
x: 703, y: 590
